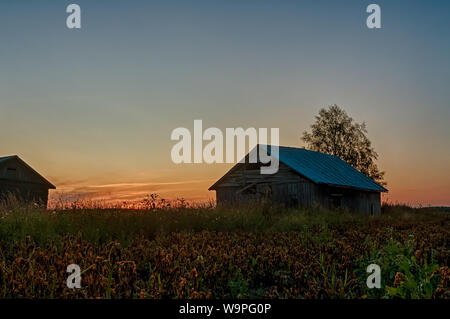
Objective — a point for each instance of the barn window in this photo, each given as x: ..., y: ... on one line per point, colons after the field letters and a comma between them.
x: 371, y: 209
x: 250, y: 190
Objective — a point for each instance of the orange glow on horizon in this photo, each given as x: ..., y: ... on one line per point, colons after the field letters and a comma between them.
x: 196, y: 191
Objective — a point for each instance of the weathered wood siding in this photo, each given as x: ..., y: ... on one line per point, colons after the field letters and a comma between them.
x: 245, y: 184
x: 16, y: 179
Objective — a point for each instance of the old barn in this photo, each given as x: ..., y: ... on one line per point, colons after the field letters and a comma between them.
x: 19, y: 179
x: 305, y: 179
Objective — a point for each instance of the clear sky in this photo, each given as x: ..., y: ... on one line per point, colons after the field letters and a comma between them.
x: 93, y: 109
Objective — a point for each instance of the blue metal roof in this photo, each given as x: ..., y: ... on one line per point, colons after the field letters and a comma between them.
x: 325, y: 169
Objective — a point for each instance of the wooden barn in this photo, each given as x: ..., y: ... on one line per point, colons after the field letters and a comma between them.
x: 19, y: 179
x: 304, y: 179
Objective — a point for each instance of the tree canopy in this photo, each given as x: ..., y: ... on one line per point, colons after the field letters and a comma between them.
x: 335, y: 133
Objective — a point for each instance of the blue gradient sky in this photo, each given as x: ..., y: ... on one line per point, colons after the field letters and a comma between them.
x: 93, y: 109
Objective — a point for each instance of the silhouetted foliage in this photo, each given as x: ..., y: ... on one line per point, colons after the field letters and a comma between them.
x: 335, y: 133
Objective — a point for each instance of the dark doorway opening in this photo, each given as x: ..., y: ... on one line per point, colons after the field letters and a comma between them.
x: 336, y: 200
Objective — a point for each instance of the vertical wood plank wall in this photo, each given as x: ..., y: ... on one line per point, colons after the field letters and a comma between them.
x: 290, y: 189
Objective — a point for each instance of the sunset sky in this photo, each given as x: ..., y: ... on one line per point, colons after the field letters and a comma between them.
x: 93, y: 109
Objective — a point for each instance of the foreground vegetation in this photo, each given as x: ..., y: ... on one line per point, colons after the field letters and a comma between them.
x: 223, y: 253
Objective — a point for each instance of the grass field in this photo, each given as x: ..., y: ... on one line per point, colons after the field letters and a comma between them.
x: 223, y: 253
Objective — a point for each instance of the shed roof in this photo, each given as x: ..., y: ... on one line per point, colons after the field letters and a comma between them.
x: 5, y: 158
x: 322, y: 168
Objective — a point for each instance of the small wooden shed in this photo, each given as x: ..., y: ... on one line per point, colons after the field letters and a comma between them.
x: 304, y: 179
x: 20, y: 180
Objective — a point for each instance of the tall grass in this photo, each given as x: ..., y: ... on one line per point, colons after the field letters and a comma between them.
x: 19, y: 221
x: 242, y: 252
